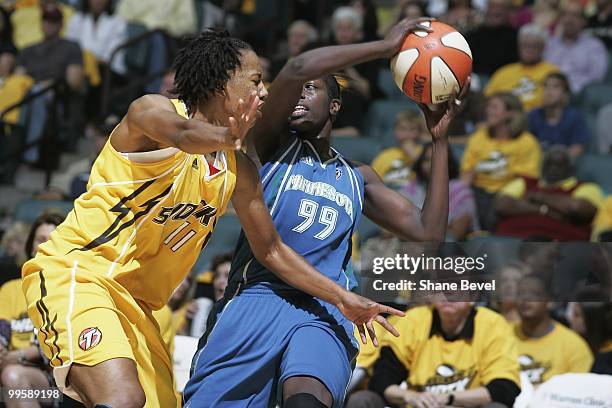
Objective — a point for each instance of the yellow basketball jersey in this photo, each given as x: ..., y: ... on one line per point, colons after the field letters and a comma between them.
x: 143, y: 220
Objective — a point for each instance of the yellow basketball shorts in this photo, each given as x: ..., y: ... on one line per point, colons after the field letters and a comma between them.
x: 86, y: 318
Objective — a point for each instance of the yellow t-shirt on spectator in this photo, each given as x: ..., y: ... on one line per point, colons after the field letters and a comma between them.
x: 586, y: 191
x: 484, y: 351
x: 560, y: 351
x: 524, y: 81
x: 12, y: 91
x: 27, y: 24
x: 603, y: 219
x: 496, y: 162
x: 393, y: 165
x: 14, y: 309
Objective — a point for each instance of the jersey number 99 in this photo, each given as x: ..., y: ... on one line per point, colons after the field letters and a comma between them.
x: 328, y: 217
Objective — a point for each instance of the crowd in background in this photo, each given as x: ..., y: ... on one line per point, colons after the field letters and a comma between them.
x: 529, y: 161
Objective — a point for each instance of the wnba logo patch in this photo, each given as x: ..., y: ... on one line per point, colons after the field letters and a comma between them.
x: 90, y: 338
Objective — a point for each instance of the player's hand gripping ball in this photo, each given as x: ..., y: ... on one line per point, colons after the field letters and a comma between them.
x: 431, y: 66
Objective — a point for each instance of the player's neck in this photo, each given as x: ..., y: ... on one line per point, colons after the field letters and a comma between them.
x: 536, y: 328
x: 214, y: 113
x: 321, y: 141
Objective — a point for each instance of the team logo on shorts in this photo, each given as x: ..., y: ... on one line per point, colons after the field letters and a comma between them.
x: 90, y: 338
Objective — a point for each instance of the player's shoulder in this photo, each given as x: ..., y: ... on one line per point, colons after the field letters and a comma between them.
x: 150, y: 101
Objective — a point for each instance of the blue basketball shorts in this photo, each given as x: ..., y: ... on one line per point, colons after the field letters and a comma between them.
x: 261, y: 338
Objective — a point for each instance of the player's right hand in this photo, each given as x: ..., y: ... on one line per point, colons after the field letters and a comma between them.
x: 397, y: 34
x: 242, y: 121
x: 363, y: 312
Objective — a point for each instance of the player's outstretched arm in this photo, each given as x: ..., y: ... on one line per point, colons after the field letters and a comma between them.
x: 152, y: 123
x: 279, y: 258
x: 285, y: 90
x: 397, y: 214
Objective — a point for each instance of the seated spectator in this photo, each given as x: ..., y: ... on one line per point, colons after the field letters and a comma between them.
x: 600, y: 23
x: 409, y: 9
x: 176, y: 17
x: 493, y: 43
x: 525, y: 78
x: 72, y: 182
x: 63, y: 58
x: 299, y: 34
x: 503, y: 300
x: 27, y: 21
x: 450, y: 354
x: 546, y: 348
x: 557, y: 123
x: 543, y: 13
x: 461, y: 15
x: 556, y: 206
x: 347, y: 26
x: 21, y: 363
x: 394, y: 164
x: 602, y: 224
x: 499, y: 152
x: 462, y: 216
x: 591, y: 316
x: 12, y: 247
x: 97, y: 30
x: 580, y: 56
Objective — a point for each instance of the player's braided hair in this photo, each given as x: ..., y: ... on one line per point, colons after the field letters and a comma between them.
x: 204, y: 66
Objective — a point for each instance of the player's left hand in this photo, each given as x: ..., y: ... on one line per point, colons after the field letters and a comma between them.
x: 439, y: 120
x: 363, y: 312
x: 397, y: 34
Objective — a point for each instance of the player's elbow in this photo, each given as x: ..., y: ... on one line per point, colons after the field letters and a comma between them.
x: 295, y: 69
x: 268, y: 252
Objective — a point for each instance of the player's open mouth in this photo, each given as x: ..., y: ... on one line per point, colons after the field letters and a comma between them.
x: 299, y: 111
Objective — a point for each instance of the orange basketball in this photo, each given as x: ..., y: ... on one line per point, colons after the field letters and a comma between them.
x: 430, y: 66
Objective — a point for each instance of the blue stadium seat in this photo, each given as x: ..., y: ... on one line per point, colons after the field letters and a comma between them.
x: 380, y: 119
x: 594, y: 96
x: 224, y: 239
x: 387, y: 85
x: 596, y: 168
x: 28, y: 210
x: 358, y: 149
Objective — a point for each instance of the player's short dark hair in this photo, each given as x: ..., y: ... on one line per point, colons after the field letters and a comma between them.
x: 333, y: 87
x: 204, y: 66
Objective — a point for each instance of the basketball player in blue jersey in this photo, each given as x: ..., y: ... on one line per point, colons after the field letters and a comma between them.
x: 271, y: 343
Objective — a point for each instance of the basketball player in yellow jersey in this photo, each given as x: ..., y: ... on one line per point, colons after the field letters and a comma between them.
x: 154, y: 196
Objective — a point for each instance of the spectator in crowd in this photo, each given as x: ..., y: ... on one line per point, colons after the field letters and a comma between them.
x: 62, y: 58
x: 13, y: 251
x: 451, y: 353
x: 591, y: 316
x: 97, y: 30
x: 299, y: 34
x: 176, y: 17
x: 525, y: 78
x: 461, y: 15
x: 394, y: 164
x: 557, y: 123
x: 556, y: 206
x: 499, y: 152
x: 72, y: 182
x: 546, y: 348
x: 27, y: 21
x: 543, y: 13
x: 409, y: 9
x: 504, y: 298
x: 603, y: 136
x: 493, y: 43
x: 600, y: 23
x: 347, y: 26
x: 462, y: 216
x: 21, y: 363
x: 580, y: 56
x: 367, y: 10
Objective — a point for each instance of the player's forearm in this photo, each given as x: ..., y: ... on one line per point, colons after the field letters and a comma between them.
x: 198, y: 137
x: 434, y: 215
x: 295, y: 271
x: 322, y: 61
x: 472, y: 398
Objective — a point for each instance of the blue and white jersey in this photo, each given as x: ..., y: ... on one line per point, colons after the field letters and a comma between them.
x: 316, y: 206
